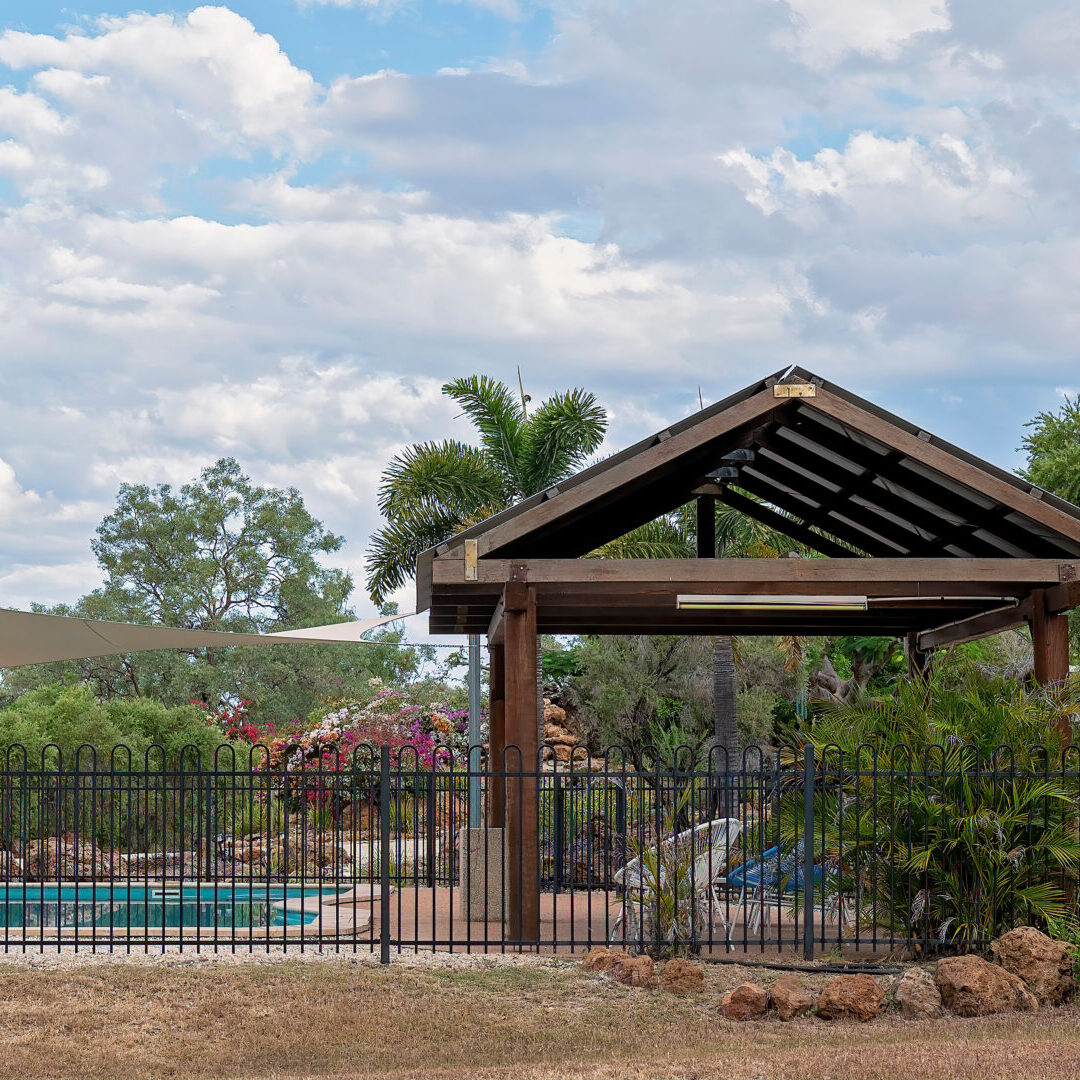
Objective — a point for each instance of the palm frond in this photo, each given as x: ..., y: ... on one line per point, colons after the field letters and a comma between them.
x: 498, y: 415
x: 559, y: 437
x: 659, y: 539
x: 394, y: 549
x: 449, y: 477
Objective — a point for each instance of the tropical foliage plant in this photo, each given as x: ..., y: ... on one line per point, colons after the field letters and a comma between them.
x: 929, y: 824
x: 665, y: 907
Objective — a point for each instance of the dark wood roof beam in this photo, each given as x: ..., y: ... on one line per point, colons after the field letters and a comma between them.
x: 964, y: 475
x: 869, y: 489
x: 1063, y: 597
x: 915, y: 479
x: 828, y: 495
x: 819, y: 516
x: 864, y: 485
x: 893, y: 547
x: 661, y: 466
x: 932, y: 576
x: 976, y: 626
x: 797, y: 530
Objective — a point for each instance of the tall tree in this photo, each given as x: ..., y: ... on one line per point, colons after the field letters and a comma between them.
x: 1052, y: 446
x: 220, y: 553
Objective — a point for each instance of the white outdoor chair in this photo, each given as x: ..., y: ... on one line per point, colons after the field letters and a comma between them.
x: 714, y: 840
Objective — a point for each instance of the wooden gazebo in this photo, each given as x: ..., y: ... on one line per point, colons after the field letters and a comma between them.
x: 921, y: 539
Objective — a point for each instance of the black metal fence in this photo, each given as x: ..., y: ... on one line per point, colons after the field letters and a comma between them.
x: 798, y: 850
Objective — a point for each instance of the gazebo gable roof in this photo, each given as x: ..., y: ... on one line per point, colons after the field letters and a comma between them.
x: 850, y: 477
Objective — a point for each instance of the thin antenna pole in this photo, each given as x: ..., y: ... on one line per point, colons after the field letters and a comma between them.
x: 525, y: 398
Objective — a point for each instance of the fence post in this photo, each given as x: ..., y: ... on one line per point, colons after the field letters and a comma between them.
x: 211, y: 868
x: 559, y: 804
x: 384, y: 853
x: 809, y: 776
x: 430, y: 830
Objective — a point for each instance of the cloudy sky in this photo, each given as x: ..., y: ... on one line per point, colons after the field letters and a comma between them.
x: 272, y: 229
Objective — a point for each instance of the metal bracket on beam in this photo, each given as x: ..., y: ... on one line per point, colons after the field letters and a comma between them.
x: 728, y: 472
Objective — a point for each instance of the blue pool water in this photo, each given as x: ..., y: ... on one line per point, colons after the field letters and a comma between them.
x: 205, y: 906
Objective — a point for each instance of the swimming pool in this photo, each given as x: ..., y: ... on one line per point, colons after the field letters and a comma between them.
x: 224, y: 906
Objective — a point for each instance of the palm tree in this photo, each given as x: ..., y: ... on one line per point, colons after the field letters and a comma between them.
x: 433, y: 490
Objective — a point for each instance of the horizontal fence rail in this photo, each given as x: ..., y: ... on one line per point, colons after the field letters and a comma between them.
x: 795, y: 851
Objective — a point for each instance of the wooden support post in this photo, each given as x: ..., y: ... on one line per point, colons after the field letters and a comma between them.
x: 1050, y: 642
x: 1050, y: 639
x: 522, y: 807
x: 918, y: 660
x: 496, y: 735
x: 706, y: 527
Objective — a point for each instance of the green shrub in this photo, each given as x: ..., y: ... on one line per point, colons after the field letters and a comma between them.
x: 57, y: 721
x: 961, y: 703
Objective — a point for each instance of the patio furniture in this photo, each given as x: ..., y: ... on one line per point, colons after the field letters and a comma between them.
x: 775, y: 874
x: 707, y: 845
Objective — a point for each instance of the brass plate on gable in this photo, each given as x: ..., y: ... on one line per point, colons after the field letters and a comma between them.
x: 794, y: 389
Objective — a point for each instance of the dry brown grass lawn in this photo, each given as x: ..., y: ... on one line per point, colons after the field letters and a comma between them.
x: 325, y: 1020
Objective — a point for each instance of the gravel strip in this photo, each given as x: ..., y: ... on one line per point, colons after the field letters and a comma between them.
x: 173, y: 957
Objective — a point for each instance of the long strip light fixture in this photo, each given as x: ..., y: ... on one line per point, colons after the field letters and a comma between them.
x: 761, y: 601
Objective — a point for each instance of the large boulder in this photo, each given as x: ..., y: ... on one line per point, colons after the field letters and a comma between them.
x: 851, y: 997
x: 600, y: 958
x: 634, y: 971
x: 557, y: 735
x: 971, y: 987
x: 745, y: 1002
x: 621, y: 966
x: 1045, y: 965
x: 679, y: 976
x: 67, y: 858
x: 554, y: 714
x: 918, y: 996
x: 790, y: 998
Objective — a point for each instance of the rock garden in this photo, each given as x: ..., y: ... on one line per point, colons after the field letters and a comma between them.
x: 1024, y: 971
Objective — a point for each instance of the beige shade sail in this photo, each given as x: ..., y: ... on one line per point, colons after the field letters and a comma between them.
x: 30, y: 638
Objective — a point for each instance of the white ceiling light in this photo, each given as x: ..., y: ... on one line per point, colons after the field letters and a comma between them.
x: 762, y: 602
